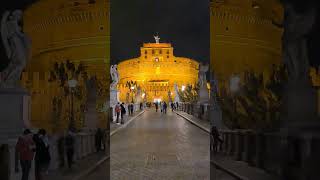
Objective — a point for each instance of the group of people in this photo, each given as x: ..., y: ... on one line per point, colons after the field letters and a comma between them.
x: 174, y: 106
x: 163, y: 107
x: 120, y: 111
x: 35, y: 147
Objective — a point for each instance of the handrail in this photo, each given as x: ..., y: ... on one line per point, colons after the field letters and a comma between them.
x: 229, y: 172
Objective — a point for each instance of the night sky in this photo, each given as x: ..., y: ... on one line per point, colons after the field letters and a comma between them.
x: 184, y: 23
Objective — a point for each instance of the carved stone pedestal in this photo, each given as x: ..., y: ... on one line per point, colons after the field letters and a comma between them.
x: 15, y: 113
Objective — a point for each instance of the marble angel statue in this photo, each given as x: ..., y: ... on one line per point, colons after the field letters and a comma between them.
x: 114, y: 76
x: 17, y: 48
x: 176, y: 92
x: 203, y: 69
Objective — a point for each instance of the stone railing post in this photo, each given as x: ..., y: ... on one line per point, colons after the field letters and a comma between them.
x: 92, y: 143
x: 54, y: 163
x: 230, y: 143
x: 260, y: 149
x: 249, y: 147
x: 226, y: 142
x: 77, y: 148
x: 86, y: 145
x: 238, y: 145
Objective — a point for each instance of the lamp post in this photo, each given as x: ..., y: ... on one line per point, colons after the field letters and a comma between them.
x: 72, y: 85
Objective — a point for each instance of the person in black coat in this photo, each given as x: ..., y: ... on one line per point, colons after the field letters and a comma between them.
x: 98, y: 139
x: 42, y: 157
x: 123, y: 112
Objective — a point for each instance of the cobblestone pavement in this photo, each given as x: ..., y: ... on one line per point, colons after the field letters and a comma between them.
x: 157, y: 146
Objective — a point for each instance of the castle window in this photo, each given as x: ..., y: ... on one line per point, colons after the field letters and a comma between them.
x: 160, y: 51
x: 76, y: 3
x: 153, y: 51
x: 145, y: 52
x: 92, y: 1
x: 168, y: 52
x: 145, y: 57
x: 168, y: 57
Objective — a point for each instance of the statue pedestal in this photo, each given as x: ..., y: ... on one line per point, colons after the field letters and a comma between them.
x: 114, y: 99
x: 203, y: 95
x: 301, y: 107
x: 15, y: 113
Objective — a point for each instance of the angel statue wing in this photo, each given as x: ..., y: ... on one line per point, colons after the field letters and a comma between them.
x: 5, y: 33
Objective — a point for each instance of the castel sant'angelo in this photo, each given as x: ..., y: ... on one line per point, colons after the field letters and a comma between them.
x: 77, y: 31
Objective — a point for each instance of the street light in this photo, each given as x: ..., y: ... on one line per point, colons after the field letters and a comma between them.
x: 183, y: 87
x: 72, y: 84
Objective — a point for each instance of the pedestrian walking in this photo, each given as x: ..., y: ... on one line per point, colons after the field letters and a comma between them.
x: 69, y: 144
x: 42, y: 157
x: 165, y: 107
x: 98, y: 139
x: 25, y: 147
x: 161, y: 107
x: 61, y: 150
x: 177, y: 105
x: 123, y: 112
x: 172, y: 106
x: 157, y: 106
x: 215, y: 139
x: 104, y: 138
x: 118, y: 111
x: 131, y: 109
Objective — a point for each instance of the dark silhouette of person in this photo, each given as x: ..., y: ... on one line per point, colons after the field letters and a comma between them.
x: 42, y: 157
x: 215, y: 139
x: 157, y: 106
x: 69, y: 144
x: 25, y: 148
x: 123, y: 112
x: 165, y: 106
x: 98, y: 139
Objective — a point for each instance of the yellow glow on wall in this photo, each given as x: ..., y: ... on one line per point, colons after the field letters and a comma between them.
x: 158, y: 71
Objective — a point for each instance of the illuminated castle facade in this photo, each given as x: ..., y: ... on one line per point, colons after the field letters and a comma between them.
x: 244, y: 37
x: 66, y: 30
x: 155, y: 73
